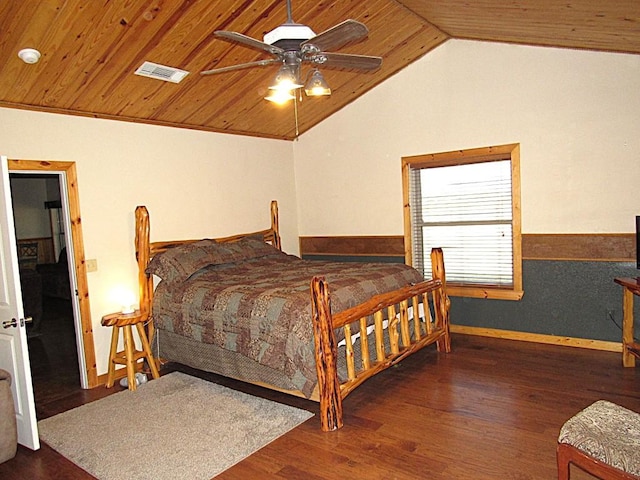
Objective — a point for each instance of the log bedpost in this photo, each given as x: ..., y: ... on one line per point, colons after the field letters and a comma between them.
x: 275, y: 225
x: 142, y: 258
x: 326, y: 352
x: 441, y: 300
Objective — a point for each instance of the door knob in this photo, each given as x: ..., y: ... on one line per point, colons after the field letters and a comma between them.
x: 14, y: 323
x: 10, y: 323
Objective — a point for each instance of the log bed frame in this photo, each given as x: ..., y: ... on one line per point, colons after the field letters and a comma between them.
x: 410, y: 328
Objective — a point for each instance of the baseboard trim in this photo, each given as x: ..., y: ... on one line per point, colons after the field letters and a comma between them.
x: 538, y: 338
x: 120, y: 373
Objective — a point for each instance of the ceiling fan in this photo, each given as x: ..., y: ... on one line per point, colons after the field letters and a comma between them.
x: 292, y: 44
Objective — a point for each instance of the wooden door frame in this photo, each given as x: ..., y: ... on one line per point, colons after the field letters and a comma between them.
x: 82, y: 293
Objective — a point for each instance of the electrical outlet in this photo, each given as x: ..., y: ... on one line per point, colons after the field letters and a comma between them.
x: 92, y: 265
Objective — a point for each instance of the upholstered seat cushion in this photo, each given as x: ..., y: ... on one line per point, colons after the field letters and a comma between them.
x: 607, y: 432
x: 8, y: 432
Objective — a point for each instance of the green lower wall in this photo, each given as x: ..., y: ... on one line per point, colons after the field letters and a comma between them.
x: 563, y: 298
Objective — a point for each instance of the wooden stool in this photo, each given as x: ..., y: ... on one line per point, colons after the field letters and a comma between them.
x: 129, y: 356
x: 603, y: 440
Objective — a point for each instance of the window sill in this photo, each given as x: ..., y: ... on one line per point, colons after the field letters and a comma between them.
x: 484, y: 292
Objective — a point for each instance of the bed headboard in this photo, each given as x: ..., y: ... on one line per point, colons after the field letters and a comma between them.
x: 145, y: 249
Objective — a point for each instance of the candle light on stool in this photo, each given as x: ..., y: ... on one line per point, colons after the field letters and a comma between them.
x: 128, y: 302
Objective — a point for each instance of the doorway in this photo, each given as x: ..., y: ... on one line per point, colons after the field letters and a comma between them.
x: 55, y: 354
x: 73, y: 332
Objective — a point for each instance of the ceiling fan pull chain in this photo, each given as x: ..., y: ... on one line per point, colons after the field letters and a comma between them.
x: 295, y: 113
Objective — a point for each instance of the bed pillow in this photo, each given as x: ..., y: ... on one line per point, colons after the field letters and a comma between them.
x: 179, y: 263
x: 252, y: 247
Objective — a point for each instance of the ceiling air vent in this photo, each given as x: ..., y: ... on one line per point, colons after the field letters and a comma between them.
x: 161, y: 72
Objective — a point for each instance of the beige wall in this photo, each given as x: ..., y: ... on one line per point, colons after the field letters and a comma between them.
x: 576, y: 115
x: 195, y: 184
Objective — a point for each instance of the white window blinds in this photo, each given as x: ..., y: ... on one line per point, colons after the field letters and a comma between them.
x: 467, y: 210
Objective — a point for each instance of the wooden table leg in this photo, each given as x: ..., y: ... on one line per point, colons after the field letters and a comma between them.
x: 146, y: 348
x: 628, y: 359
x: 113, y: 353
x: 129, y: 348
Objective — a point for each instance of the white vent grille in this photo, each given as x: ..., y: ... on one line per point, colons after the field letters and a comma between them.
x: 161, y: 72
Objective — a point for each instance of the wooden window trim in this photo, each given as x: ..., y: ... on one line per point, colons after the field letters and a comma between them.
x: 462, y: 157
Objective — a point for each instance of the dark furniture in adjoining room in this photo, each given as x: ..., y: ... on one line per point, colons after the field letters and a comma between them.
x: 55, y: 277
x: 27, y: 255
x: 31, y: 285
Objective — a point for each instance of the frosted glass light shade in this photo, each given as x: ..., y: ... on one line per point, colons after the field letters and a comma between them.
x: 317, y: 86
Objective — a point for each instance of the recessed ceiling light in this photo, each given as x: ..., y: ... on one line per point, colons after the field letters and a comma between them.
x: 29, y: 55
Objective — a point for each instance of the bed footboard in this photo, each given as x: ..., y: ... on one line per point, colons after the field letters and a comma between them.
x: 399, y: 323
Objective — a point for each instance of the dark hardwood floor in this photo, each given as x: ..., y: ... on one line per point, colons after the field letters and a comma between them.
x: 491, y: 409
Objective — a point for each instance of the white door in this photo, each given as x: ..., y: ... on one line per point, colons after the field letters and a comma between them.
x: 14, y: 353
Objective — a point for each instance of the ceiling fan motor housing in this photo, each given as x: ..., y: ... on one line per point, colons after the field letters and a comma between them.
x: 289, y: 36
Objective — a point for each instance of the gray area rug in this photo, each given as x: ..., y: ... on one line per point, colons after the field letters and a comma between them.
x: 174, y: 427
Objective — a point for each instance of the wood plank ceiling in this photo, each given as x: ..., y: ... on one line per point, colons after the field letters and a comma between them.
x: 90, y: 50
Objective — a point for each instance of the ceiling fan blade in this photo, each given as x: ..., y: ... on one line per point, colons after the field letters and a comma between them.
x: 346, y: 60
x: 337, y: 36
x: 248, y: 41
x: 259, y: 63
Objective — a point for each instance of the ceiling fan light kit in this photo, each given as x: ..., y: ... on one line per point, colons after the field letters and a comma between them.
x: 287, y: 81
x: 280, y: 97
x: 287, y: 78
x: 292, y: 44
x: 317, y: 86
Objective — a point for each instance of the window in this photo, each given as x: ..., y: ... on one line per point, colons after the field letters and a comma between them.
x: 468, y: 203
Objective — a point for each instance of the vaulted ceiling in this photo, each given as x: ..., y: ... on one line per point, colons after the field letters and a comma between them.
x: 90, y: 50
